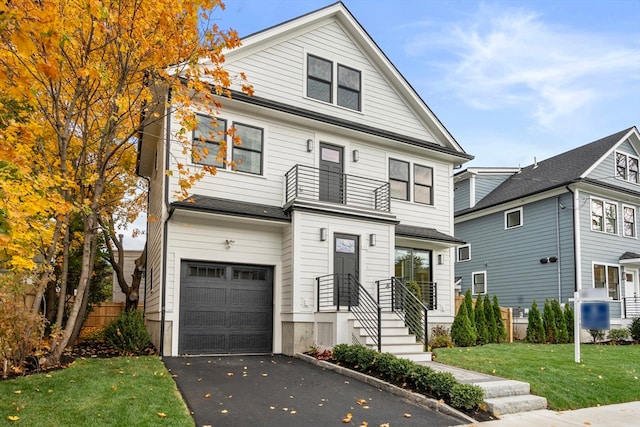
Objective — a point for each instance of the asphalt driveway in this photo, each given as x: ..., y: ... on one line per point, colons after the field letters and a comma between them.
x: 276, y: 390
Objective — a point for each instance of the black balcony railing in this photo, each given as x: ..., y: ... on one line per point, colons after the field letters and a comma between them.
x: 631, y: 307
x: 304, y: 182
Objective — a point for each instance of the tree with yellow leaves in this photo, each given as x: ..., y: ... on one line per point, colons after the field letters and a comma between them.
x: 84, y: 72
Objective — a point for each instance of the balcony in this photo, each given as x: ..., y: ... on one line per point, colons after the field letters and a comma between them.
x: 312, y: 184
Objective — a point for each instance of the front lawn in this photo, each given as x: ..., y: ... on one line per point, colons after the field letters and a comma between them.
x: 608, y: 374
x: 120, y: 391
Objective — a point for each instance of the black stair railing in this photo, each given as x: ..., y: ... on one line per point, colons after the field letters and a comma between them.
x: 395, y: 297
x: 631, y: 307
x: 343, y: 291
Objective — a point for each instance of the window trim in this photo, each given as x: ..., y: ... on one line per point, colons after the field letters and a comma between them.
x: 407, y: 197
x: 240, y: 147
x: 605, y: 203
x: 635, y: 222
x: 506, y: 216
x: 473, y: 283
x: 627, y: 167
x: 607, y: 266
x: 309, y: 77
x: 458, y: 259
x: 416, y: 184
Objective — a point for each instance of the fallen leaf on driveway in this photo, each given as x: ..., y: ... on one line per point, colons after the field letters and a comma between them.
x: 229, y: 374
x: 347, y: 419
x: 406, y: 415
x: 208, y: 395
x: 224, y: 411
x: 361, y: 401
x: 384, y: 425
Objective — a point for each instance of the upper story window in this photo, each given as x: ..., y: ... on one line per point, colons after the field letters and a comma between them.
x: 607, y: 276
x: 464, y: 253
x: 320, y: 83
x: 210, y: 146
x: 399, y: 179
x: 208, y: 137
x: 628, y: 221
x: 423, y: 184
x: 513, y: 218
x: 479, y: 282
x: 604, y: 216
x: 627, y: 168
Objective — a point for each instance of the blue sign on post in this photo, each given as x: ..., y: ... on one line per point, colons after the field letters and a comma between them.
x: 595, y: 315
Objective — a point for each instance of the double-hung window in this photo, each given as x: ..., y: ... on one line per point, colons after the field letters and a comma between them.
x: 629, y: 221
x: 399, y: 179
x: 423, y: 184
x: 604, y: 216
x: 608, y: 277
x: 479, y: 282
x: 209, y: 146
x: 627, y: 168
x: 320, y: 83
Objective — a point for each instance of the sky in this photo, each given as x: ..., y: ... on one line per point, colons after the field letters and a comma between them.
x: 511, y: 80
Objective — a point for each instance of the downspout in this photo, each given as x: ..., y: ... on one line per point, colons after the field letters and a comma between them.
x: 146, y: 247
x: 576, y: 239
x: 558, y: 249
x: 165, y: 224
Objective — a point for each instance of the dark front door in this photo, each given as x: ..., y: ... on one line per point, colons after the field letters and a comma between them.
x: 331, y: 177
x: 346, y: 266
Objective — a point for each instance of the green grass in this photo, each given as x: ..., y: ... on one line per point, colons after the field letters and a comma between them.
x: 606, y: 375
x: 122, y: 391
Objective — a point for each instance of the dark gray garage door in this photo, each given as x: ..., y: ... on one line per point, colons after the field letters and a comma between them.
x: 225, y: 308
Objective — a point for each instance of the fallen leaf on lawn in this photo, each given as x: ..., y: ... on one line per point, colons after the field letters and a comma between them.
x: 18, y: 392
x: 114, y: 387
x: 224, y: 411
x: 13, y: 418
x: 347, y: 419
x: 406, y: 415
x: 48, y: 376
x: 208, y: 395
x: 162, y: 415
x: 361, y: 401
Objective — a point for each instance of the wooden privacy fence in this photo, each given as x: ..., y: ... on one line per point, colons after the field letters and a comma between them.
x: 104, y: 313
x: 505, y: 313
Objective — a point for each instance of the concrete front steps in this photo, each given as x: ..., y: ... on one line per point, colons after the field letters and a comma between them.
x: 396, y: 339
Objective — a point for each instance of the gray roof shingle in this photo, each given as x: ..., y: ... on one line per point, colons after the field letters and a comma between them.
x: 232, y: 207
x: 425, y: 233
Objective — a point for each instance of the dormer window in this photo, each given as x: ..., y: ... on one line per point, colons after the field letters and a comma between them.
x: 320, y: 83
x: 627, y: 168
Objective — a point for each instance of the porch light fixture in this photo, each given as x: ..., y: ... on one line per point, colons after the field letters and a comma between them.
x: 323, y: 234
x: 356, y: 155
x: 440, y: 259
x: 309, y: 145
x: 372, y: 239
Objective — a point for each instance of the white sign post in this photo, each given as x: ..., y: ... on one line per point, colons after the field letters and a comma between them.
x: 579, y: 297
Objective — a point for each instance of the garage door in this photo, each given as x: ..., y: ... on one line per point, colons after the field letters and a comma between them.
x: 225, y: 308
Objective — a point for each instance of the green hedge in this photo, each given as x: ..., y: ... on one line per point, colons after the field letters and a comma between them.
x: 441, y: 385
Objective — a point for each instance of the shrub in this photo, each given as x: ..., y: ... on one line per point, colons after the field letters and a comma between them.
x: 440, y: 338
x: 562, y: 336
x: 596, y: 335
x: 616, y: 335
x: 340, y: 351
x: 420, y: 378
x: 400, y: 369
x: 462, y: 333
x: 634, y: 328
x: 501, y: 333
x: 127, y: 333
x: 549, y: 322
x: 568, y: 317
x: 441, y: 384
x: 466, y: 396
x: 490, y: 319
x: 468, y: 300
x: 383, y: 362
x: 535, y: 329
x: 482, y: 333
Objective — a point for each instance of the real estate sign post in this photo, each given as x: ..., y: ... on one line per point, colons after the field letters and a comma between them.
x: 591, y: 311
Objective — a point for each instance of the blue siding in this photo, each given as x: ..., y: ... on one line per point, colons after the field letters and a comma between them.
x: 606, y: 170
x: 461, y: 196
x: 511, y: 258
x: 485, y: 184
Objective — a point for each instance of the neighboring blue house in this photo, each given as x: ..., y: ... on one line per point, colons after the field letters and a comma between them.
x: 563, y: 224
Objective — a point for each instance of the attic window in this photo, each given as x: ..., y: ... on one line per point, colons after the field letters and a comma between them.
x: 627, y: 168
x: 513, y: 218
x: 320, y: 84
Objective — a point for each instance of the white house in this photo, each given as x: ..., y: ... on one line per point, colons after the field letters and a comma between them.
x: 346, y: 181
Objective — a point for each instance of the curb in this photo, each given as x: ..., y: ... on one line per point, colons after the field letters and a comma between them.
x: 415, y: 398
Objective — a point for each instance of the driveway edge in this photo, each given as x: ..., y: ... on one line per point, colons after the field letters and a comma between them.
x: 415, y: 398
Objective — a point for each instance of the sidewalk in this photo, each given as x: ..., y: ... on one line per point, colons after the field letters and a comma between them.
x: 620, y: 415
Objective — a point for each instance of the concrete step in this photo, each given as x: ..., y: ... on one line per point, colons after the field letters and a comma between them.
x: 504, y: 388
x: 391, y: 339
x: 514, y: 404
x: 424, y: 356
x: 386, y: 332
x: 396, y: 349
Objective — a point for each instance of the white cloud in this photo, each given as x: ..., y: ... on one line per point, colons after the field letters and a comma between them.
x: 511, y: 58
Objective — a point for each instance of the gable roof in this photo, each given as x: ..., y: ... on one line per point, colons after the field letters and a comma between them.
x: 558, y: 171
x: 338, y: 12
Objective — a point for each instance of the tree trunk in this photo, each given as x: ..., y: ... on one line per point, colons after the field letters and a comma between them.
x: 133, y: 298
x: 62, y: 298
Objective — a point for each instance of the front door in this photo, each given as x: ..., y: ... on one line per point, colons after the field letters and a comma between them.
x: 331, y: 177
x: 346, y: 262
x: 631, y: 284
